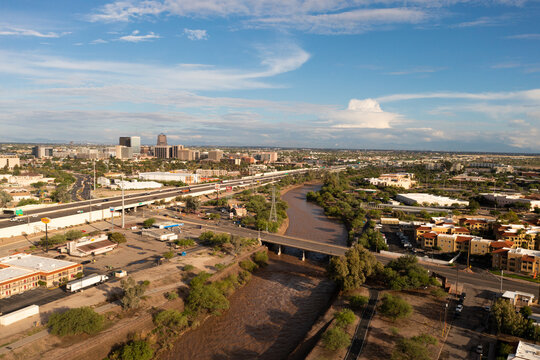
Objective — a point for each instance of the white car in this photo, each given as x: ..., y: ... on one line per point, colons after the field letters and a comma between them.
x: 459, y: 308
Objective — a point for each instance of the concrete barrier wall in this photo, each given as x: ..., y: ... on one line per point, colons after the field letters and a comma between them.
x: 20, y: 314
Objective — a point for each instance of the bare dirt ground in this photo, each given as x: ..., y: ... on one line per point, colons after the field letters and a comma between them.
x: 427, y: 318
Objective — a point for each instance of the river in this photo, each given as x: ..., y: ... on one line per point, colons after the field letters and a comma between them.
x: 270, y: 316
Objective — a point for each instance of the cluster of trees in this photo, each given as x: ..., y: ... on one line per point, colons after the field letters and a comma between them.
x: 372, y: 240
x: 506, y: 320
x: 353, y: 269
x: 227, y: 242
x: 83, y: 320
x: 59, y: 239
x: 336, y: 337
x: 258, y: 205
x: 405, y: 273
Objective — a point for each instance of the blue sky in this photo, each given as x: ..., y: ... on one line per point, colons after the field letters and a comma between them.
x: 383, y: 74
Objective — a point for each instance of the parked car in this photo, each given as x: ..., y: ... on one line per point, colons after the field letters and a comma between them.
x: 487, y: 308
x: 480, y: 349
x: 60, y: 256
x: 459, y: 308
x: 79, y: 211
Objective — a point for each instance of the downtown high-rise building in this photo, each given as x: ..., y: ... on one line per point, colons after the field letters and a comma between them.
x: 133, y: 142
x: 162, y: 140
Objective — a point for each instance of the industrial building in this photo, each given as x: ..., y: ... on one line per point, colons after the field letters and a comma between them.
x: 429, y: 200
x: 21, y: 272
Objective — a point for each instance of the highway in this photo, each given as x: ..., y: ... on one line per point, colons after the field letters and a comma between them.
x: 62, y: 210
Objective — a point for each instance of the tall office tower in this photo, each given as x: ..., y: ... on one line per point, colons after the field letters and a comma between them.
x: 125, y: 141
x: 162, y: 140
x: 135, y: 142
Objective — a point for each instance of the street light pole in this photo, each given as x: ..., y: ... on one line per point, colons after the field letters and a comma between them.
x: 123, y: 221
x: 502, y: 275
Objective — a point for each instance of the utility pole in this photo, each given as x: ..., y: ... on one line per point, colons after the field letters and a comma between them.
x: 457, y: 278
x: 469, y: 253
x: 502, y: 275
x: 123, y: 221
x: 273, y: 214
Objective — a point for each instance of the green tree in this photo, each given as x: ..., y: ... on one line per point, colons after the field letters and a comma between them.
x: 335, y: 338
x: 344, y: 317
x: 206, y: 298
x: 351, y: 270
x: 168, y: 255
x: 171, y: 320
x: 74, y: 234
x: 76, y: 321
x: 356, y: 302
x: 149, y: 222
x: 117, y: 237
x: 5, y: 198
x: 525, y: 311
x: 133, y: 292
x: 192, y: 204
x: 414, y: 348
x: 394, y: 307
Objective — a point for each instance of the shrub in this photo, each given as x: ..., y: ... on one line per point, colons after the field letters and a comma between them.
x: 335, y: 338
x: 394, y: 331
x: 133, y: 350
x: 149, y: 222
x: 248, y: 265
x: 199, y: 280
x: 244, y: 277
x: 414, y: 348
x: 173, y: 295
x: 357, y: 301
x: 344, y: 317
x: 438, y: 292
x: 394, y: 307
x: 185, y: 242
x: 261, y: 258
x: 117, y: 237
x: 189, y: 268
x: 206, y: 298
x: 74, y: 234
x: 173, y: 320
x: 76, y: 321
x: 168, y: 255
x: 133, y: 292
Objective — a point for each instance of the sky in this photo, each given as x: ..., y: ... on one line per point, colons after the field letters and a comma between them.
x: 450, y: 75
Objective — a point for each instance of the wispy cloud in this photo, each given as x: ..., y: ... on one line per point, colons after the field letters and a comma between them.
x: 193, y: 34
x: 15, y: 31
x: 417, y: 70
x: 524, y: 37
x: 98, y: 41
x: 533, y: 94
x: 135, y: 37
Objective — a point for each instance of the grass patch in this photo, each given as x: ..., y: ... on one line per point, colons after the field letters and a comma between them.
x: 516, y: 276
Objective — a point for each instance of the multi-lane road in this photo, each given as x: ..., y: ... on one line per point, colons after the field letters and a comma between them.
x: 131, y: 200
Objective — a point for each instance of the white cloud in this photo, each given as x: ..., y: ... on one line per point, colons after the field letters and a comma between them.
x: 98, y: 41
x: 365, y: 113
x: 193, y: 34
x: 135, y: 37
x: 533, y: 94
x: 524, y: 37
x: 14, y: 31
x: 416, y: 70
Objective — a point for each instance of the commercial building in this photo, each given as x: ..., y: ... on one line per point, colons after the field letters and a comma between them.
x: 40, y: 151
x: 267, y: 157
x: 133, y: 142
x: 403, y: 180
x: 22, y: 272
x: 518, y: 298
x: 87, y: 246
x: 187, y: 178
x: 188, y: 154
x: 161, y: 140
x: 25, y: 179
x: 124, y: 152
x: 9, y: 161
x: 509, y: 200
x: 429, y: 200
x: 135, y: 185
x: 160, y: 234
x: 215, y: 155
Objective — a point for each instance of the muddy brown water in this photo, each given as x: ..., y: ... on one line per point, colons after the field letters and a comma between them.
x: 270, y: 316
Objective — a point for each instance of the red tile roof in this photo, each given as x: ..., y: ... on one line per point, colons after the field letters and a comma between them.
x: 499, y: 251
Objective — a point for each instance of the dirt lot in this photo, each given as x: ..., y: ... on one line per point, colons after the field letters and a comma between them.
x: 427, y: 318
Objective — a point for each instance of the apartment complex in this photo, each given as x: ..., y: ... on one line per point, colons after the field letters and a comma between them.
x: 22, y: 272
x: 517, y: 260
x: 526, y: 236
x: 403, y: 180
x: 426, y: 234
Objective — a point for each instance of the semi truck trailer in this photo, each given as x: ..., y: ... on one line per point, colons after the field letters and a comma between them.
x: 85, y: 282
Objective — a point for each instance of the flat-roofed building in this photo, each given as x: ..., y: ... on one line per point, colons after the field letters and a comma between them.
x: 9, y: 161
x: 41, y: 151
x: 403, y: 180
x: 22, y: 272
x: 187, y: 178
x: 517, y: 260
x: 525, y: 351
x: 429, y: 200
x: 87, y: 246
x: 512, y: 199
x: 215, y: 155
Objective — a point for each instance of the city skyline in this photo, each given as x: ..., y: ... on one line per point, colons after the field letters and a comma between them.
x: 416, y: 75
